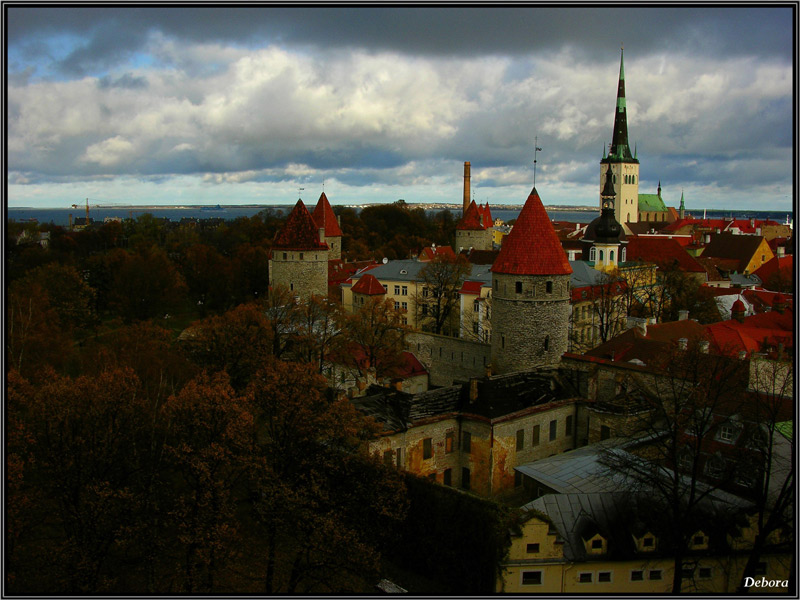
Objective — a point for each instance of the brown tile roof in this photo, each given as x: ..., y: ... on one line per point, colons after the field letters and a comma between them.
x: 532, y: 247
x: 739, y: 247
x: 324, y: 217
x: 300, y: 232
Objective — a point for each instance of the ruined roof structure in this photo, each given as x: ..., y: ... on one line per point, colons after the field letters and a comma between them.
x: 532, y: 247
x: 299, y: 232
x: 324, y: 217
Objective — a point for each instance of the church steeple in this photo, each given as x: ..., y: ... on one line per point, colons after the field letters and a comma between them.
x: 620, y: 148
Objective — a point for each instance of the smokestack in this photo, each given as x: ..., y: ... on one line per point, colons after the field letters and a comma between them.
x: 466, y: 188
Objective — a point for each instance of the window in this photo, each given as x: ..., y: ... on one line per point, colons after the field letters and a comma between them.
x: 399, y: 461
x: 397, y: 306
x: 397, y: 290
x: 637, y: 575
x: 704, y: 573
x: 553, y: 429
x: 593, y: 254
x: 714, y: 467
x: 604, y: 577
x: 465, y: 478
x: 284, y: 256
x: 687, y: 572
x: 476, y: 305
x: 549, y: 287
x: 301, y: 256
x: 585, y: 577
x: 448, y: 476
x: 404, y: 291
x: 404, y: 305
x: 385, y: 287
x: 531, y: 578
x: 502, y: 341
x: 597, y: 544
x: 648, y: 542
x: 699, y: 540
x: 466, y: 441
x: 569, y: 426
x: 546, y: 342
x: 520, y: 439
x: 424, y: 292
x: 427, y: 448
x: 518, y: 287
x: 405, y: 321
x: 611, y: 255
x: 535, y: 436
x: 605, y: 432
x: 655, y: 575
x: 424, y: 309
x: 532, y: 548
x: 475, y: 327
x: 448, y: 441
x: 726, y: 433
x: 601, y: 256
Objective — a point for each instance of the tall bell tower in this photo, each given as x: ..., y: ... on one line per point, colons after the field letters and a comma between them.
x: 624, y: 165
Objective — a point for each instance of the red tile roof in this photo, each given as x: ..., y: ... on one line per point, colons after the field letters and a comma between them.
x: 754, y: 333
x: 662, y: 251
x: 368, y: 284
x: 472, y: 219
x: 429, y: 253
x: 324, y: 217
x: 471, y: 287
x: 300, y: 232
x: 731, y: 246
x: 532, y: 247
x: 486, y: 215
x: 780, y: 264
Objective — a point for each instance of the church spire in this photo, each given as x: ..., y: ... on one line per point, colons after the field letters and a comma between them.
x: 620, y: 149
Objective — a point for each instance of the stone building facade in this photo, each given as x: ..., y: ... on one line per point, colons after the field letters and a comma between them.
x: 472, y: 232
x: 325, y: 219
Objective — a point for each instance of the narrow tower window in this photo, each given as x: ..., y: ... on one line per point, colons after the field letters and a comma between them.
x: 547, y: 342
x: 549, y: 287
x: 518, y: 287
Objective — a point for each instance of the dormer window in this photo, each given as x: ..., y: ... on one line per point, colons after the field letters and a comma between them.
x: 699, y: 541
x: 596, y: 544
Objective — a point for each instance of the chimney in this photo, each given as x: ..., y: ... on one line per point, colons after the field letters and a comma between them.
x: 473, y: 389
x: 703, y: 346
x: 642, y: 325
x: 683, y: 343
x: 752, y: 222
x: 780, y: 251
x: 683, y: 315
x: 466, y: 188
x: 321, y: 234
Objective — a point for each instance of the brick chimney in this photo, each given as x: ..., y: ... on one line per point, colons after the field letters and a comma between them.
x: 466, y: 188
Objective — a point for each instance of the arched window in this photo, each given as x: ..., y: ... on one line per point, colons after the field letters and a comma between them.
x: 611, y: 255
x: 623, y: 255
x: 593, y: 254
x: 601, y: 256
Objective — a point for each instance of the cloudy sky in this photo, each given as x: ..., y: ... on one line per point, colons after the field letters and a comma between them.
x: 203, y: 105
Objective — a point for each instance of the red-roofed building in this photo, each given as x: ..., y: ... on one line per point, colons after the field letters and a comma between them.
x: 751, y: 251
x: 368, y: 285
x: 299, y: 256
x: 325, y: 219
x: 530, y: 294
x: 777, y: 274
x: 664, y: 252
x: 428, y: 253
x: 471, y: 232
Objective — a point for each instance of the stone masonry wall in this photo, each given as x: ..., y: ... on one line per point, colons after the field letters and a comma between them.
x: 521, y: 322
x: 478, y: 240
x: 303, y: 273
x: 449, y: 359
x: 334, y: 247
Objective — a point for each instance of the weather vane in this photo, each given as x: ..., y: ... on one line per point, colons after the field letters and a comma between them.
x: 535, y: 150
x: 300, y: 189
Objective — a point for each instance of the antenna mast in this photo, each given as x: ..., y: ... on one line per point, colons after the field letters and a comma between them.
x: 535, y: 150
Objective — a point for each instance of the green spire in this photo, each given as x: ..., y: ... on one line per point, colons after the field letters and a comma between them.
x: 620, y: 147
x: 682, y: 207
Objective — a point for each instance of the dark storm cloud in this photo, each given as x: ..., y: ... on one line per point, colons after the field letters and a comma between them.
x: 109, y: 33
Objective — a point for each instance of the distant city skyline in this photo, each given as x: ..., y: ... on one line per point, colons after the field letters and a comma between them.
x: 247, y: 105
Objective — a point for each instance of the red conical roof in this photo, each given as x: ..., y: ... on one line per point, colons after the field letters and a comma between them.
x: 369, y: 285
x: 471, y: 219
x: 324, y: 217
x: 532, y: 246
x: 300, y: 232
x: 487, y: 216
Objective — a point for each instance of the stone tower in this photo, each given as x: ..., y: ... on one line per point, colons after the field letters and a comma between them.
x: 624, y: 165
x: 471, y: 231
x: 325, y: 219
x: 299, y: 260
x: 530, y: 294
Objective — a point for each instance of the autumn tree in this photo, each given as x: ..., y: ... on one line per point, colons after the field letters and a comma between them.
x: 680, y: 406
x: 281, y: 311
x: 237, y: 342
x: 317, y: 497
x: 771, y: 468
x: 207, y: 442
x: 375, y: 336
x: 437, y: 303
x: 318, y: 331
